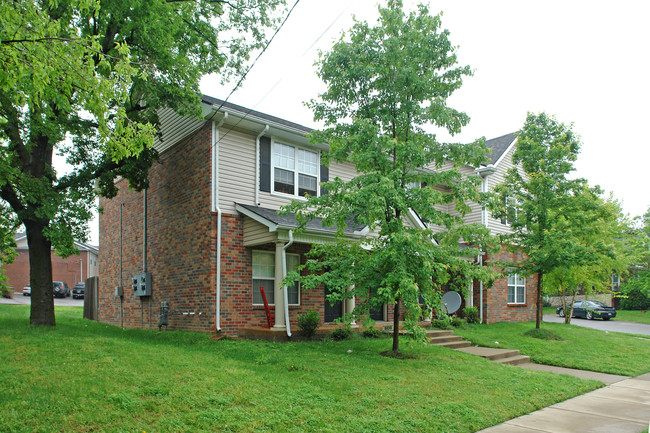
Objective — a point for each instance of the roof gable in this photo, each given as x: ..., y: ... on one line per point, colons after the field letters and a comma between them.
x: 500, y: 146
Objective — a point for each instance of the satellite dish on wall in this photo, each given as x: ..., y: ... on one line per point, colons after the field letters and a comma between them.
x: 451, y: 302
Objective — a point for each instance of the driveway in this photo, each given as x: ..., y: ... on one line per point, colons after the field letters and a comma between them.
x: 611, y: 325
x: 19, y: 299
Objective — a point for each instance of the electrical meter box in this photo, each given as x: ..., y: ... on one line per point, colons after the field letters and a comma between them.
x: 141, y: 284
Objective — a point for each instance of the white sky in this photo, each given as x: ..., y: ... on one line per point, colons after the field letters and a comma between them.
x: 584, y: 62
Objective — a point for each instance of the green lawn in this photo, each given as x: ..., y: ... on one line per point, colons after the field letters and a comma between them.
x: 633, y: 316
x: 84, y: 376
x: 582, y: 348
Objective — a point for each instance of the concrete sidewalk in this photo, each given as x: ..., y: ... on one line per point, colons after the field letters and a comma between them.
x: 621, y: 407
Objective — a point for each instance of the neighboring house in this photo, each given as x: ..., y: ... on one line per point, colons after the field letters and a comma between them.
x: 211, y: 211
x: 70, y: 270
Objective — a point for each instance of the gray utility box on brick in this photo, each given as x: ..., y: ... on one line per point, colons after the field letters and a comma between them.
x: 142, y: 284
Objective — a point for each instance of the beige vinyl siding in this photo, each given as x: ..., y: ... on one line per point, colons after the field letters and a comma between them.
x: 256, y: 233
x: 346, y: 171
x: 236, y: 169
x: 174, y: 128
x: 498, y: 177
x: 474, y: 215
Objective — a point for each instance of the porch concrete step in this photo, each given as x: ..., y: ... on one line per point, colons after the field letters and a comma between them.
x: 514, y: 360
x: 439, y: 332
x: 455, y: 344
x: 445, y: 339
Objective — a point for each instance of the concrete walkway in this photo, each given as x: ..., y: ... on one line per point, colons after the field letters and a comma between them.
x: 621, y: 407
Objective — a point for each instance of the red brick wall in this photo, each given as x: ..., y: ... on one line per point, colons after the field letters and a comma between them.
x: 66, y: 270
x: 495, y: 298
x: 179, y: 249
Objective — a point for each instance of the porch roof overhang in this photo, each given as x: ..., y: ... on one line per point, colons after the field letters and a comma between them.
x: 313, y: 232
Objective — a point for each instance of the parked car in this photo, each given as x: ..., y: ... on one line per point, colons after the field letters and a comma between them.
x: 27, y: 290
x: 590, y: 310
x: 61, y: 289
x: 78, y: 290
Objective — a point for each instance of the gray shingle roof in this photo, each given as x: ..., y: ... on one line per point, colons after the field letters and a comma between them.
x: 248, y: 112
x: 499, y: 145
x: 290, y: 220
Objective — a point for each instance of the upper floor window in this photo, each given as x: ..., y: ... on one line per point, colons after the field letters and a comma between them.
x: 516, y: 289
x: 616, y: 281
x: 295, y: 170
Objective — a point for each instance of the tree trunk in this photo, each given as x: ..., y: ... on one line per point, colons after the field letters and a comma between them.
x: 540, y: 309
x: 396, y: 326
x: 40, y: 275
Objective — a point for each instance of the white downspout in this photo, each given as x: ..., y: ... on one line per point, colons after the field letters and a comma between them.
x: 285, y: 290
x: 480, y: 263
x: 217, y: 208
x: 484, y: 173
x: 257, y: 164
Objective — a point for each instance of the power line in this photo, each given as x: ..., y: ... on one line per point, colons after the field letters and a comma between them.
x: 258, y: 56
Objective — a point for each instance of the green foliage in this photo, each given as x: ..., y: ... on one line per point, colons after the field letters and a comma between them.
x: 342, y: 333
x: 471, y: 314
x: 636, y: 292
x: 371, y: 332
x: 566, y: 230
x: 542, y: 334
x: 85, y: 80
x: 308, y: 322
x: 443, y: 322
x: 384, y: 84
x: 457, y: 322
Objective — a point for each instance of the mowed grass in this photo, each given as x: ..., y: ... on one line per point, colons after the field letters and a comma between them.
x: 84, y: 376
x: 581, y: 348
x: 633, y: 316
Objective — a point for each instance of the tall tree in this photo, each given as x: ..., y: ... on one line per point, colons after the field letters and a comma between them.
x: 384, y: 84
x: 546, y: 150
x: 84, y: 79
x: 591, y: 232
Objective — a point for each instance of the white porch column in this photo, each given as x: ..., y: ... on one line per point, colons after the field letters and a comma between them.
x: 469, y: 299
x: 350, y: 304
x: 278, y: 290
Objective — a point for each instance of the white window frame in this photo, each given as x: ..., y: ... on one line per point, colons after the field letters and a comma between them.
x: 510, y: 202
x: 517, y: 282
x: 253, y: 278
x: 296, y: 172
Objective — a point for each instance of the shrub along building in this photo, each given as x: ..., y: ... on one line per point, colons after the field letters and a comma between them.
x: 206, y: 235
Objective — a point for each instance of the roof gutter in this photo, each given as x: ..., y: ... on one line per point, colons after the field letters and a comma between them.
x: 215, y: 207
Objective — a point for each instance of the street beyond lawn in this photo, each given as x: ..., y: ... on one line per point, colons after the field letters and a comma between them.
x: 88, y: 376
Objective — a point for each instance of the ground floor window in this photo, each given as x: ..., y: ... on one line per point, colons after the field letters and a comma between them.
x: 264, y: 276
x: 516, y: 289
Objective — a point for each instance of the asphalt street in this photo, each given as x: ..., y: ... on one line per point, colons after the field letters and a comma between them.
x: 612, y: 325
x: 19, y: 299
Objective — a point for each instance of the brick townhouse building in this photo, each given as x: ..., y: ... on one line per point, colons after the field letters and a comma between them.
x: 213, y: 236
x: 70, y: 270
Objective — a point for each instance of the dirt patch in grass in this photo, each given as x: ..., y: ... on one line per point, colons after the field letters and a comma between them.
x: 543, y: 334
x: 398, y: 355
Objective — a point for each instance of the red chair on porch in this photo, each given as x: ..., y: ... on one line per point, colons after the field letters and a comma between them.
x: 269, y: 317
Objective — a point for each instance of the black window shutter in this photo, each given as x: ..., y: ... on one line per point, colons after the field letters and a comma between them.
x: 265, y: 164
x: 324, y: 177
